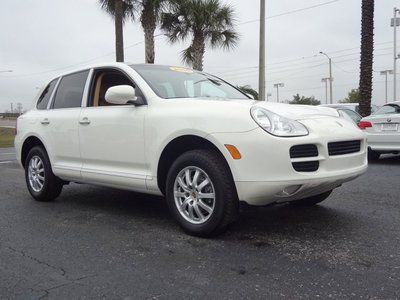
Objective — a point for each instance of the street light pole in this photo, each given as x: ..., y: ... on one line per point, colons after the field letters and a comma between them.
x: 261, y: 63
x: 330, y: 77
x: 277, y: 86
x: 395, y: 22
x: 326, y: 88
x: 386, y: 73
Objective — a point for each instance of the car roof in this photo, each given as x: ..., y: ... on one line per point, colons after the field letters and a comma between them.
x: 340, y: 104
x: 113, y: 64
x: 395, y: 102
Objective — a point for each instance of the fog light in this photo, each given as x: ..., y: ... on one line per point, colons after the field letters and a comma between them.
x: 289, y: 190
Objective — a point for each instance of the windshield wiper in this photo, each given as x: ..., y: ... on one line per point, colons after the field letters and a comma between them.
x: 216, y: 82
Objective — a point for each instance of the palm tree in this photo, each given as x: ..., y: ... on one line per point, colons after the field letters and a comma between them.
x: 119, y: 10
x: 149, y: 18
x: 204, y: 21
x: 367, y: 56
x: 247, y: 89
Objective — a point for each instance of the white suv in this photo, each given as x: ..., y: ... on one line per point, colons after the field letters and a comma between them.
x: 188, y: 135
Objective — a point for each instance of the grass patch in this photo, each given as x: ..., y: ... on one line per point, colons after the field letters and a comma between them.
x: 6, y: 137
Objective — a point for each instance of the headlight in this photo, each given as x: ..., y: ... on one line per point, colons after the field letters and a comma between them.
x: 276, y: 124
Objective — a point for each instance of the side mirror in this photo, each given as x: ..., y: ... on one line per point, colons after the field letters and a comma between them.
x: 121, y: 95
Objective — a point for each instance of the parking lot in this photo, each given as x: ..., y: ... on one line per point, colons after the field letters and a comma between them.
x: 96, y: 242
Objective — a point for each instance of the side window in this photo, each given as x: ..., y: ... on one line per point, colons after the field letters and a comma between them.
x: 45, y: 96
x: 104, y: 79
x: 70, y: 90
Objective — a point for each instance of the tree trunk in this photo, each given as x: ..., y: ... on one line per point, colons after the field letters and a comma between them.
x: 148, y: 20
x: 119, y: 35
x: 198, y: 48
x: 367, y: 55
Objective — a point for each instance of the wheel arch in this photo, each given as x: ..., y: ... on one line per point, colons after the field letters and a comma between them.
x: 28, y: 144
x: 177, y: 147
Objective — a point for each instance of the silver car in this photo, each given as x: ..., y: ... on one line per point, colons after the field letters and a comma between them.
x: 383, y: 130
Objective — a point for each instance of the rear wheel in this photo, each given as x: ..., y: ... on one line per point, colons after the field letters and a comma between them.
x: 42, y: 184
x: 311, y: 201
x: 201, y: 194
x: 373, y: 155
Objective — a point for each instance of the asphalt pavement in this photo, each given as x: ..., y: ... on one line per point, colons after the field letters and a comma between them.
x: 7, y: 155
x: 96, y: 242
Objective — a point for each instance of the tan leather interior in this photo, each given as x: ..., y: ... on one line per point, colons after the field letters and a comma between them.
x: 104, y: 81
x: 96, y: 98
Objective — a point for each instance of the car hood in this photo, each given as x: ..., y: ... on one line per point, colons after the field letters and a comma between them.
x: 298, y: 112
x: 224, y: 115
x: 291, y: 111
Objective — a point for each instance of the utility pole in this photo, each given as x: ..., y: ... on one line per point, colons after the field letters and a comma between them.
x: 12, y: 108
x: 261, y: 63
x: 326, y: 88
x: 386, y: 73
x: 277, y: 86
x: 330, y: 77
x: 395, y: 23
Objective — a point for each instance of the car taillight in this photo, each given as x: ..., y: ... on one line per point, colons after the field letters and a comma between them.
x: 364, y: 125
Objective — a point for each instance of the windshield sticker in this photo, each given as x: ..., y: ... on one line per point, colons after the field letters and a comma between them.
x: 182, y: 70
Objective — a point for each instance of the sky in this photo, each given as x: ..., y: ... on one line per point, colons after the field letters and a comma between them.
x: 39, y: 39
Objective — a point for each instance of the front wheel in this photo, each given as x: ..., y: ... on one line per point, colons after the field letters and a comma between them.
x: 311, y: 201
x: 42, y: 184
x: 201, y: 194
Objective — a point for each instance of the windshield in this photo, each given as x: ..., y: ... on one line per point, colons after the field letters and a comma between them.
x: 177, y: 82
x: 388, y: 109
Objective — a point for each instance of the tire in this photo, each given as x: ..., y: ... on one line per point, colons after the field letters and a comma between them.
x: 373, y: 155
x: 311, y: 201
x: 51, y: 187
x: 217, y: 212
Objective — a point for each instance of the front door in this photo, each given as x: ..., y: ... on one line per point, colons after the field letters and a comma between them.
x: 111, y: 136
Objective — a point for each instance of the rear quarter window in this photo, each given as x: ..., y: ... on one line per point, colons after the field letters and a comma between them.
x: 46, y: 94
x: 70, y: 90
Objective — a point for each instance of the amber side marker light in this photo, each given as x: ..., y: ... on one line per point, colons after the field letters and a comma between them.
x: 233, y: 151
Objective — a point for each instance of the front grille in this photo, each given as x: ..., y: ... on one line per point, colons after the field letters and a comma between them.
x: 307, y: 150
x: 306, y: 166
x: 341, y: 148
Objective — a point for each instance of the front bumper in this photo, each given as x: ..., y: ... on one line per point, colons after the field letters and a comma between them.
x: 265, y: 172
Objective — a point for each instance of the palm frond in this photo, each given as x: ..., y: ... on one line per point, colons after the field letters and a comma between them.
x: 187, y: 56
x: 129, y: 7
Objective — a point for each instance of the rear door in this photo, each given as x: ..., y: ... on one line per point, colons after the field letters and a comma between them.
x: 60, y: 125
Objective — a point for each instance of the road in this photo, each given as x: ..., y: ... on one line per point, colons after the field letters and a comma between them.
x: 7, y: 123
x: 6, y: 155
x: 95, y: 242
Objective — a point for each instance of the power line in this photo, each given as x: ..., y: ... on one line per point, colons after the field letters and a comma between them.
x: 238, y: 74
x: 291, y: 12
x: 111, y: 53
x: 76, y: 64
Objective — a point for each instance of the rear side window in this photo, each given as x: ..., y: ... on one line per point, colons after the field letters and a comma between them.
x: 70, y: 90
x: 45, y: 96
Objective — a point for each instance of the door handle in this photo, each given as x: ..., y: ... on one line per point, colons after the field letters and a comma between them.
x: 45, y: 121
x: 84, y: 121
